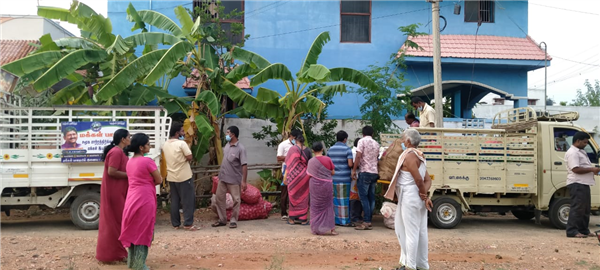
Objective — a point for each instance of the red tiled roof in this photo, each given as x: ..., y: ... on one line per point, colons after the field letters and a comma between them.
x: 480, y: 47
x: 11, y: 50
x: 244, y: 83
x: 5, y: 19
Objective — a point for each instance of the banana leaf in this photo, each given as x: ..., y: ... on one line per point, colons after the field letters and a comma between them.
x: 184, y: 19
x: 55, y: 13
x: 120, y: 46
x: 316, y: 72
x: 333, y: 89
x: 152, y: 38
x: 313, y: 53
x: 71, y: 92
x: 240, y: 72
x: 250, y: 58
x: 133, y: 16
x: 210, y: 56
x: 77, y: 43
x: 210, y: 100
x: 47, y: 44
x: 353, y: 76
x: 168, y: 60
x: 67, y: 65
x: 160, y: 21
x: 136, y: 69
x: 32, y: 63
x: 141, y: 94
x: 274, y: 71
x: 268, y: 95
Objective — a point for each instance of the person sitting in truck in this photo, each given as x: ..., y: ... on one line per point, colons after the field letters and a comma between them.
x: 411, y: 120
x: 411, y: 183
x: 70, y: 136
x: 580, y: 176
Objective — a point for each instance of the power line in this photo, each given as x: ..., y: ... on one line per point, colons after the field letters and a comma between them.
x: 566, y: 9
x: 337, y: 24
x: 255, y: 10
x: 266, y: 9
x: 581, y: 63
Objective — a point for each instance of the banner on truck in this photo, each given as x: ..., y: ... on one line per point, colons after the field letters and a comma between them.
x: 85, y: 141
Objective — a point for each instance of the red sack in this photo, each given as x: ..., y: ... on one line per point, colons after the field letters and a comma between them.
x: 251, y: 195
x: 259, y: 210
x: 215, y: 180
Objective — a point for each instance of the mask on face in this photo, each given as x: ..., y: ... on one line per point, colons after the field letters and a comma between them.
x: 420, y: 108
x: 294, y: 141
x: 227, y: 138
x: 403, y: 147
x: 182, y: 138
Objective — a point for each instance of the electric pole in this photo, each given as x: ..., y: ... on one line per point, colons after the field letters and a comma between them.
x: 437, y: 63
x: 545, y: 75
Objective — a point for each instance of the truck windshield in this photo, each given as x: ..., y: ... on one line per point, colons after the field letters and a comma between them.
x: 563, y: 139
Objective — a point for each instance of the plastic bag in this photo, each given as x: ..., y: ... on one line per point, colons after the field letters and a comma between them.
x: 259, y: 210
x: 388, y: 210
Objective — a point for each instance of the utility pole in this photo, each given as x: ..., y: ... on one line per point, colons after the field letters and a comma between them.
x: 437, y: 63
x: 545, y: 75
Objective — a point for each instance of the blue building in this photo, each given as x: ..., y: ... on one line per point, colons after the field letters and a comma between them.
x: 485, y: 48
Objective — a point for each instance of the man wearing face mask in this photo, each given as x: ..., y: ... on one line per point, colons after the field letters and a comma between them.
x: 282, y: 150
x: 426, y: 112
x: 232, y: 177
x: 179, y: 175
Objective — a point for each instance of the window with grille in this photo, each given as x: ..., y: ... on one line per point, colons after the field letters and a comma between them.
x: 479, y: 11
x: 355, y: 18
x: 211, y: 8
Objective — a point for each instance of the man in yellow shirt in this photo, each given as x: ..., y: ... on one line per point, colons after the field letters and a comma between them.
x: 426, y: 112
x: 179, y: 175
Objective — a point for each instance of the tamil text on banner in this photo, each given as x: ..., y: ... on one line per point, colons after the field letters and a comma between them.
x: 85, y: 141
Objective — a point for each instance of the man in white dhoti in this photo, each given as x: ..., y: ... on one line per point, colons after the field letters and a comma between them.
x: 410, y: 183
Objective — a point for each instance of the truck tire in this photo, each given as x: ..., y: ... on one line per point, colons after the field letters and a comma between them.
x: 559, y: 212
x: 523, y: 214
x: 85, y: 211
x: 446, y: 213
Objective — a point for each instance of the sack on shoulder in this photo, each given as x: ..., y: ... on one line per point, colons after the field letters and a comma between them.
x: 387, y: 163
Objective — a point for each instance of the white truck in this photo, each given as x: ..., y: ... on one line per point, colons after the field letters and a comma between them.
x: 33, y: 170
x: 516, y: 166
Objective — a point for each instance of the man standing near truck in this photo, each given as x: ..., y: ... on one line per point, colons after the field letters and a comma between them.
x: 426, y: 112
x: 580, y: 176
x: 179, y: 175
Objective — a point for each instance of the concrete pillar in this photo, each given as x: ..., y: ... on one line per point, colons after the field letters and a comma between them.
x: 456, y: 104
x: 520, y: 103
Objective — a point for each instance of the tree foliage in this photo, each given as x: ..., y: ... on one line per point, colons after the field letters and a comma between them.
x: 381, y: 104
x: 287, y: 110
x: 591, y: 97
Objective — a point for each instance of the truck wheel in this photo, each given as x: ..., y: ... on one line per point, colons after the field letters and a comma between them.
x: 523, y: 215
x: 446, y: 213
x: 559, y: 212
x: 85, y: 211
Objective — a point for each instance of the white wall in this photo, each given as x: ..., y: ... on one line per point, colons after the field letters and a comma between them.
x: 31, y: 28
x: 27, y: 28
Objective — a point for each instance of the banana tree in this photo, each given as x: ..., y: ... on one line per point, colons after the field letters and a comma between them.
x: 189, y: 48
x: 286, y: 109
x: 98, y: 54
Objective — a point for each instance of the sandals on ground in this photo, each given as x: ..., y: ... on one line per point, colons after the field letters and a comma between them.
x: 218, y: 224
x: 232, y: 225
x: 191, y: 228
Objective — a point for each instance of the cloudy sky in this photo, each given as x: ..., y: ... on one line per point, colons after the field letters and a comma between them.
x: 566, y: 26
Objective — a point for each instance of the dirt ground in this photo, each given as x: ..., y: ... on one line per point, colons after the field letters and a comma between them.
x: 48, y: 240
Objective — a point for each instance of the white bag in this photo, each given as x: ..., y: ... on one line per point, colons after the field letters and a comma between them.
x: 388, y: 210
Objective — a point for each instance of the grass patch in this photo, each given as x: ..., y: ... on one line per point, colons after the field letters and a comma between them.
x: 582, y: 262
x: 276, y: 263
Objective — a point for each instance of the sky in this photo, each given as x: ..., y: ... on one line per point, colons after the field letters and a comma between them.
x: 567, y: 28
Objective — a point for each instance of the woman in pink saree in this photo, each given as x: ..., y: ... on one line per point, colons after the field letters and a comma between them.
x: 139, y: 215
x: 322, y: 216
x: 297, y: 181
